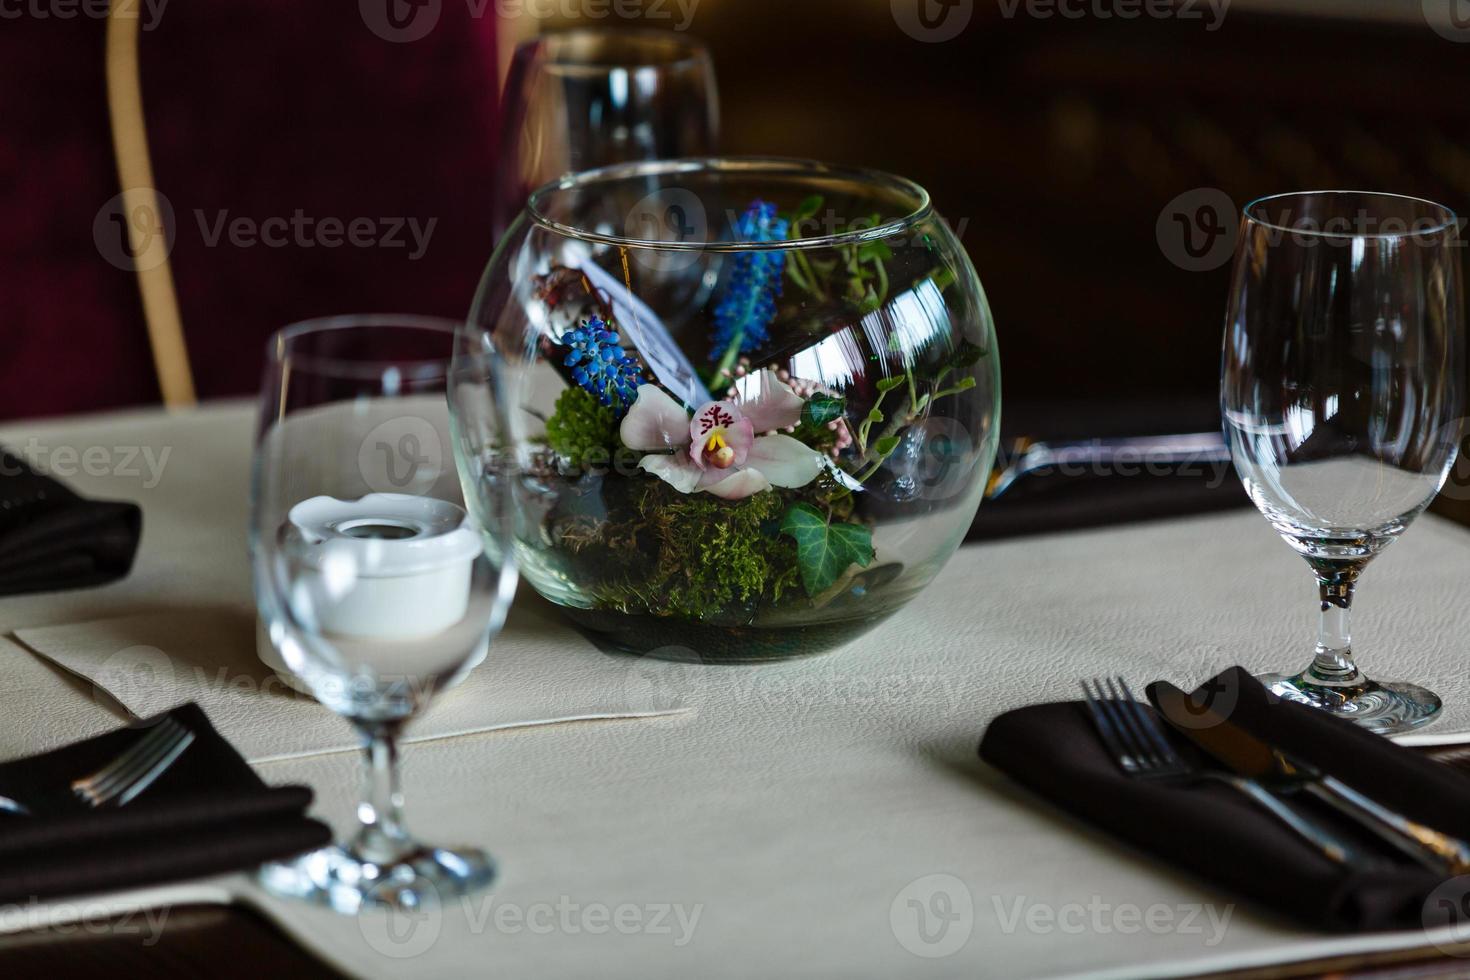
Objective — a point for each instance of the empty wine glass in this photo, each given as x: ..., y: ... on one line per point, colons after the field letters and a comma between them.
x: 374, y: 587
x: 591, y: 97
x: 1341, y: 393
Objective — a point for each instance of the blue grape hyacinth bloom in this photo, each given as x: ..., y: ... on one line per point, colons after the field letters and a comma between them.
x: 749, y: 304
x: 600, y: 365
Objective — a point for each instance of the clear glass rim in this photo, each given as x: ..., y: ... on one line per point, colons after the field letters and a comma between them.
x: 278, y: 346
x: 662, y: 50
x: 1446, y: 220
x: 747, y: 166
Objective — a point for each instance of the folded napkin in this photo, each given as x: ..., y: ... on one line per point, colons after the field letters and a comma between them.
x: 50, y: 538
x: 1049, y: 501
x: 539, y: 671
x: 1215, y: 832
x: 207, y: 813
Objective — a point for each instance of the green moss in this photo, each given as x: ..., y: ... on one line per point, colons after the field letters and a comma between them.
x: 580, y: 428
x: 696, y: 556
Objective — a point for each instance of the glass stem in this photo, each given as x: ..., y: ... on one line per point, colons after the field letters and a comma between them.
x: 1333, y: 663
x: 381, y: 837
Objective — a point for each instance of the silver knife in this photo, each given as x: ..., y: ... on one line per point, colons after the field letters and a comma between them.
x: 1256, y: 759
x: 1024, y: 456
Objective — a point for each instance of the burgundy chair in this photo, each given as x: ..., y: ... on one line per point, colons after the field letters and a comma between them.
x: 315, y: 160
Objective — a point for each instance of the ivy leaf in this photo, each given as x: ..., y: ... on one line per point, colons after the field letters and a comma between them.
x: 821, y: 409
x: 885, y: 446
x: 888, y: 384
x: 874, y: 252
x: 824, y: 551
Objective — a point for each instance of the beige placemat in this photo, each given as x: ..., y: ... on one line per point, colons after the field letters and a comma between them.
x: 538, y: 672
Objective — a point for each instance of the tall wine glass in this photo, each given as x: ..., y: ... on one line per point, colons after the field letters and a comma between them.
x: 591, y: 97
x: 374, y: 587
x: 1342, y: 393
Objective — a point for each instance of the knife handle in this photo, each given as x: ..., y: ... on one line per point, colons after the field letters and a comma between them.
x: 1325, y: 841
x: 1435, y: 850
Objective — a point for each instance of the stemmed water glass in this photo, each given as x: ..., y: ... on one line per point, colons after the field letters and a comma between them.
x: 590, y: 97
x: 374, y: 587
x: 1342, y: 394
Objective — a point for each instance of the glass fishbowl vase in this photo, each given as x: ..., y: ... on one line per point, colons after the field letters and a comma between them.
x: 751, y: 403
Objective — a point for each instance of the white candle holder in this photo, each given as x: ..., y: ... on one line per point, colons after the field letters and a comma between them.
x: 387, y: 566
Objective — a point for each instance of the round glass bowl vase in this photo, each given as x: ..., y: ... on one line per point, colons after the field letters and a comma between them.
x: 752, y: 403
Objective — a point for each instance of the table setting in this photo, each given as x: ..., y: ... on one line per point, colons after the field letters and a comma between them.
x: 685, y: 607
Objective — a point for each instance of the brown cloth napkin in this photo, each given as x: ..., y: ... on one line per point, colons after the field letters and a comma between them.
x: 50, y: 538
x: 208, y: 813
x: 1216, y: 833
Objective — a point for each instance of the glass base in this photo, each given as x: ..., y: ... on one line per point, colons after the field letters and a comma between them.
x: 1385, y: 707
x: 338, y: 878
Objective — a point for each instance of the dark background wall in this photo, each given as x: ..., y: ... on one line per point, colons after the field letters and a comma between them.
x: 1093, y: 163
x: 1060, y: 144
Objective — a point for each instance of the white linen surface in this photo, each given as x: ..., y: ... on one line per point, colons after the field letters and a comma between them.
x: 802, y: 810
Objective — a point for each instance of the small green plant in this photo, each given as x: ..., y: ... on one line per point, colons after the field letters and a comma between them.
x: 857, y: 272
x: 695, y: 556
x: 582, y: 431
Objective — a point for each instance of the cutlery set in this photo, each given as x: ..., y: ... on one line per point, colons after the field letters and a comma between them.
x: 134, y: 770
x: 1268, y: 775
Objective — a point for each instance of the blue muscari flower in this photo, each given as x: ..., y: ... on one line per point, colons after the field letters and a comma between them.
x: 749, y: 304
x: 600, y: 365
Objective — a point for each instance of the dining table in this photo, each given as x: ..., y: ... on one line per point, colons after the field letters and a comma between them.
x: 822, y: 817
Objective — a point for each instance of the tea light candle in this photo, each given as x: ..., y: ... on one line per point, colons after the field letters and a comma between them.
x: 387, y: 566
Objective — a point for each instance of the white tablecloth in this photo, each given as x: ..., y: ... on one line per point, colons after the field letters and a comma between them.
x: 827, y: 817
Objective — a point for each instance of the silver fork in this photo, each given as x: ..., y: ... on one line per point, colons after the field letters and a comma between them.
x: 1133, y: 737
x: 137, y: 768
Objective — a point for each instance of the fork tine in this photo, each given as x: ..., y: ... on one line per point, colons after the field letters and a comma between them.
x: 102, y: 782
x: 141, y: 764
x: 1151, y: 730
x: 89, y: 784
x: 1105, y: 727
x: 145, y: 770
x: 104, y: 777
x: 1130, y: 725
x: 146, y: 779
x: 1125, y: 735
x: 120, y: 780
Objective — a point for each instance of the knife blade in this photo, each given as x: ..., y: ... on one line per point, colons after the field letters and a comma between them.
x: 1024, y: 456
x: 1248, y: 755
